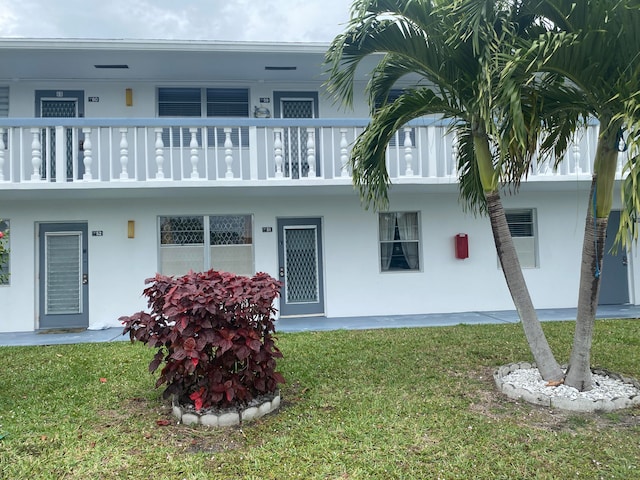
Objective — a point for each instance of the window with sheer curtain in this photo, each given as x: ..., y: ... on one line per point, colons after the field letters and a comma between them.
x: 399, y: 237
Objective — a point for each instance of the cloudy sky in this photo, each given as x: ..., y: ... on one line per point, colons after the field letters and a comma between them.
x: 245, y: 20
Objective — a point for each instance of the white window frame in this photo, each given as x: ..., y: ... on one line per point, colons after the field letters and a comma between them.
x: 206, y: 247
x: 526, y: 245
x: 207, y: 98
x: 389, y: 257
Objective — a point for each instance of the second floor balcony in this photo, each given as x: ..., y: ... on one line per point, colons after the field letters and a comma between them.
x: 68, y: 153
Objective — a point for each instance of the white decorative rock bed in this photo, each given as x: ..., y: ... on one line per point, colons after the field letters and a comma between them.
x: 259, y: 407
x: 522, y: 381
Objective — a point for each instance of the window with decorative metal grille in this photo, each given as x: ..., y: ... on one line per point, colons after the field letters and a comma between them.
x: 198, y: 243
x: 399, y: 237
x: 522, y: 225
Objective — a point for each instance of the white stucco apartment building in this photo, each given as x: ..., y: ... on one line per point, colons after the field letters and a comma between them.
x: 120, y: 159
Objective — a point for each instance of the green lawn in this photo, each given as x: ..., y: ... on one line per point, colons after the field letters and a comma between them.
x: 399, y: 403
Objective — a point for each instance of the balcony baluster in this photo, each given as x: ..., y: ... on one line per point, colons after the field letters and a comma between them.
x: 194, y: 158
x: 277, y: 151
x: 36, y: 155
x: 311, y: 152
x: 159, y: 151
x: 124, y: 154
x: 344, y: 153
x: 408, y: 152
x: 87, y: 159
x: 228, y: 153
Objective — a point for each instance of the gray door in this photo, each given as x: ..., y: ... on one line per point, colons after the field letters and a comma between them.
x: 297, y: 105
x: 614, y: 289
x: 63, y: 285
x: 300, y: 263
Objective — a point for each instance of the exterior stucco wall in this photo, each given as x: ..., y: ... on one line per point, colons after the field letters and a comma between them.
x: 354, y: 284
x: 112, y: 97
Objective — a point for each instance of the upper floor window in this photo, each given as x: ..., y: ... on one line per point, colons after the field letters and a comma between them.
x: 522, y: 225
x: 208, y: 102
x: 399, y: 237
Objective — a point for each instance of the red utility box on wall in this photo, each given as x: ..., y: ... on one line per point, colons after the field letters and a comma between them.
x: 462, y: 245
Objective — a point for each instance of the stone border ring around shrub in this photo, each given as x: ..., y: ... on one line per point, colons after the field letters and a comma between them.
x: 522, y: 381
x: 228, y: 417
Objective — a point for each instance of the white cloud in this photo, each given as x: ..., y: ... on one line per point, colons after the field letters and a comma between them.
x: 247, y: 20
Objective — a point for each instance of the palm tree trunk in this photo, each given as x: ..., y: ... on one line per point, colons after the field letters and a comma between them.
x: 579, y: 371
x: 547, y: 365
x: 600, y: 202
x: 595, y: 232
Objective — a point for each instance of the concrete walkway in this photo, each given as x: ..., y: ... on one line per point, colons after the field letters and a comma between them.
x: 305, y: 324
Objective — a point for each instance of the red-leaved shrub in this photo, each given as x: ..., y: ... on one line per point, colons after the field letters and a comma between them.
x: 214, y: 332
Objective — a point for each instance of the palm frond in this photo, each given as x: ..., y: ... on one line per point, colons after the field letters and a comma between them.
x: 472, y: 195
x: 368, y: 156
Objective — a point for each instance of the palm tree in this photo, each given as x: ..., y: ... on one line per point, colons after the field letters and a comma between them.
x: 455, y: 63
x: 595, y: 46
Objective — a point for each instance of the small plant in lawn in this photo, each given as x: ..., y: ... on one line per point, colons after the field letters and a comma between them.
x: 4, y: 253
x: 214, y: 332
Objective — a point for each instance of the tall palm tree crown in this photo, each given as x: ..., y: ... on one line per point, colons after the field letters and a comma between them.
x: 453, y: 60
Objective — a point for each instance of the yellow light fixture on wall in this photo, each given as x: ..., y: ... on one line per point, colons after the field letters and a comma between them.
x: 128, y: 96
x: 131, y: 229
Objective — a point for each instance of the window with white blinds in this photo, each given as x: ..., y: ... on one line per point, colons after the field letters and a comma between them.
x: 522, y: 225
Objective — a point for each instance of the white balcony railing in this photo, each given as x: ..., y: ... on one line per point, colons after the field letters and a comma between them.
x: 54, y: 151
